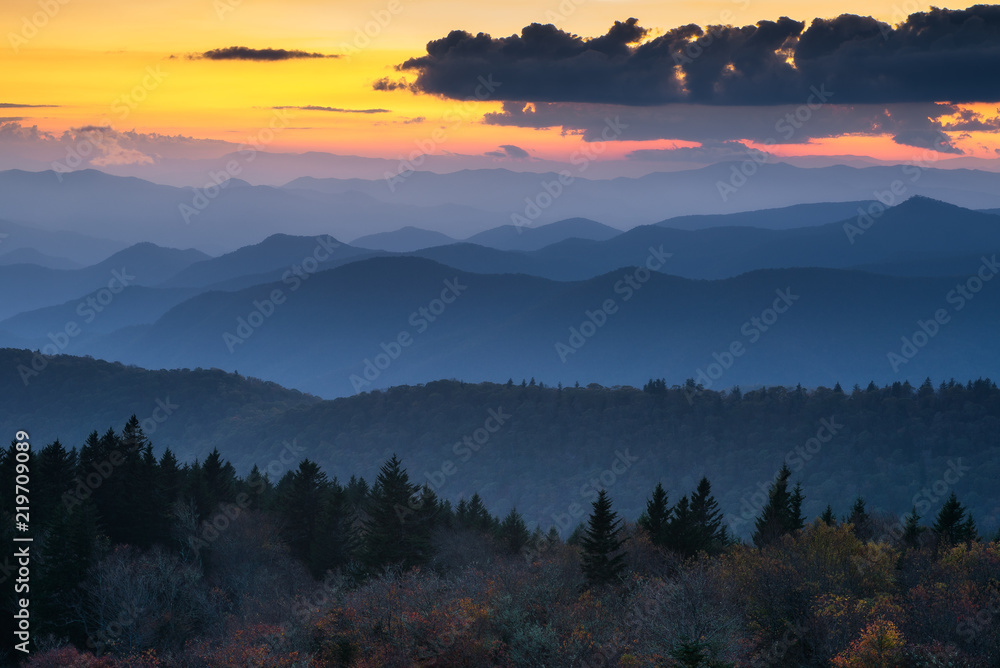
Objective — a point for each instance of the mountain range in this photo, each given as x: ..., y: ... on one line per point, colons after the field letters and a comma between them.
x: 331, y: 318
x: 220, y: 218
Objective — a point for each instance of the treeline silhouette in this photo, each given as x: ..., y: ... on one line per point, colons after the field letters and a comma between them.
x: 147, y: 561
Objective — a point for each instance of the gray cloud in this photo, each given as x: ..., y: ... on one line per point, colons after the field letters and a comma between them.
x: 709, y: 151
x: 509, y: 151
x: 264, y: 55
x: 387, y: 84
x: 909, y: 124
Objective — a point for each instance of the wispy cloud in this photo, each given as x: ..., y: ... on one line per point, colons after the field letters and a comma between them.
x: 263, y: 55
x: 336, y: 110
x: 15, y: 105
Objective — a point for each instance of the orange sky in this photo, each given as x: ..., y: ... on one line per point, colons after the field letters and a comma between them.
x: 95, y: 61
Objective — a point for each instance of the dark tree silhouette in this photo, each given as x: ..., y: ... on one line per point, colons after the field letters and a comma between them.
x: 603, y: 559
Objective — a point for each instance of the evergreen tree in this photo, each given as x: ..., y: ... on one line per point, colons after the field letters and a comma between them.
x: 656, y: 519
x: 782, y: 514
x: 476, y: 516
x: 954, y: 524
x: 710, y: 534
x: 332, y: 544
x: 603, y: 559
x: 301, y: 505
x: 912, y: 531
x: 513, y: 532
x: 860, y: 520
x: 682, y: 534
x: 394, y: 531
x: 828, y: 517
x: 796, y: 520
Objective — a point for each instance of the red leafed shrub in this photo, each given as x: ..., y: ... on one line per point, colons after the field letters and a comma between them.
x: 69, y: 657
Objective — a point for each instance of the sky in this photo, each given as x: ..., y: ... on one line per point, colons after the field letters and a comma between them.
x: 640, y: 82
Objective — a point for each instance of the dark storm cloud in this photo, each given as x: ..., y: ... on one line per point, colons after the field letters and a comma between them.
x: 939, y: 55
x: 246, y: 53
x: 336, y: 110
x: 509, y: 151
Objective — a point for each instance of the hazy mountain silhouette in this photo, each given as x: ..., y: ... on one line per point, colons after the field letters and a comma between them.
x: 524, y: 237
x: 917, y: 229
x: 218, y: 219
x: 77, y: 248
x: 277, y: 253
x: 626, y: 202
x: 798, y: 215
x: 214, y: 219
x: 135, y: 305
x: 841, y: 328
x: 30, y: 287
x: 38, y: 258
x: 405, y: 239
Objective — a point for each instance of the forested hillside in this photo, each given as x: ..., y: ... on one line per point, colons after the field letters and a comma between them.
x: 889, y: 444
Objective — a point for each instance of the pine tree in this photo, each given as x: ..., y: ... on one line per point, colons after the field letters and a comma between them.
x: 332, y: 544
x: 912, y: 530
x: 513, y: 532
x: 395, y: 531
x: 782, y: 514
x: 796, y: 520
x: 476, y: 516
x: 682, y: 534
x: 828, y: 517
x: 603, y: 559
x: 709, y: 533
x: 656, y: 519
x: 301, y: 506
x: 953, y: 525
x: 860, y: 520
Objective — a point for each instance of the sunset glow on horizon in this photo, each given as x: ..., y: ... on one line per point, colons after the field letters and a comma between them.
x: 138, y: 68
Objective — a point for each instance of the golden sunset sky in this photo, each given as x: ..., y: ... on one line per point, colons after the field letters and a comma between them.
x: 129, y: 65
